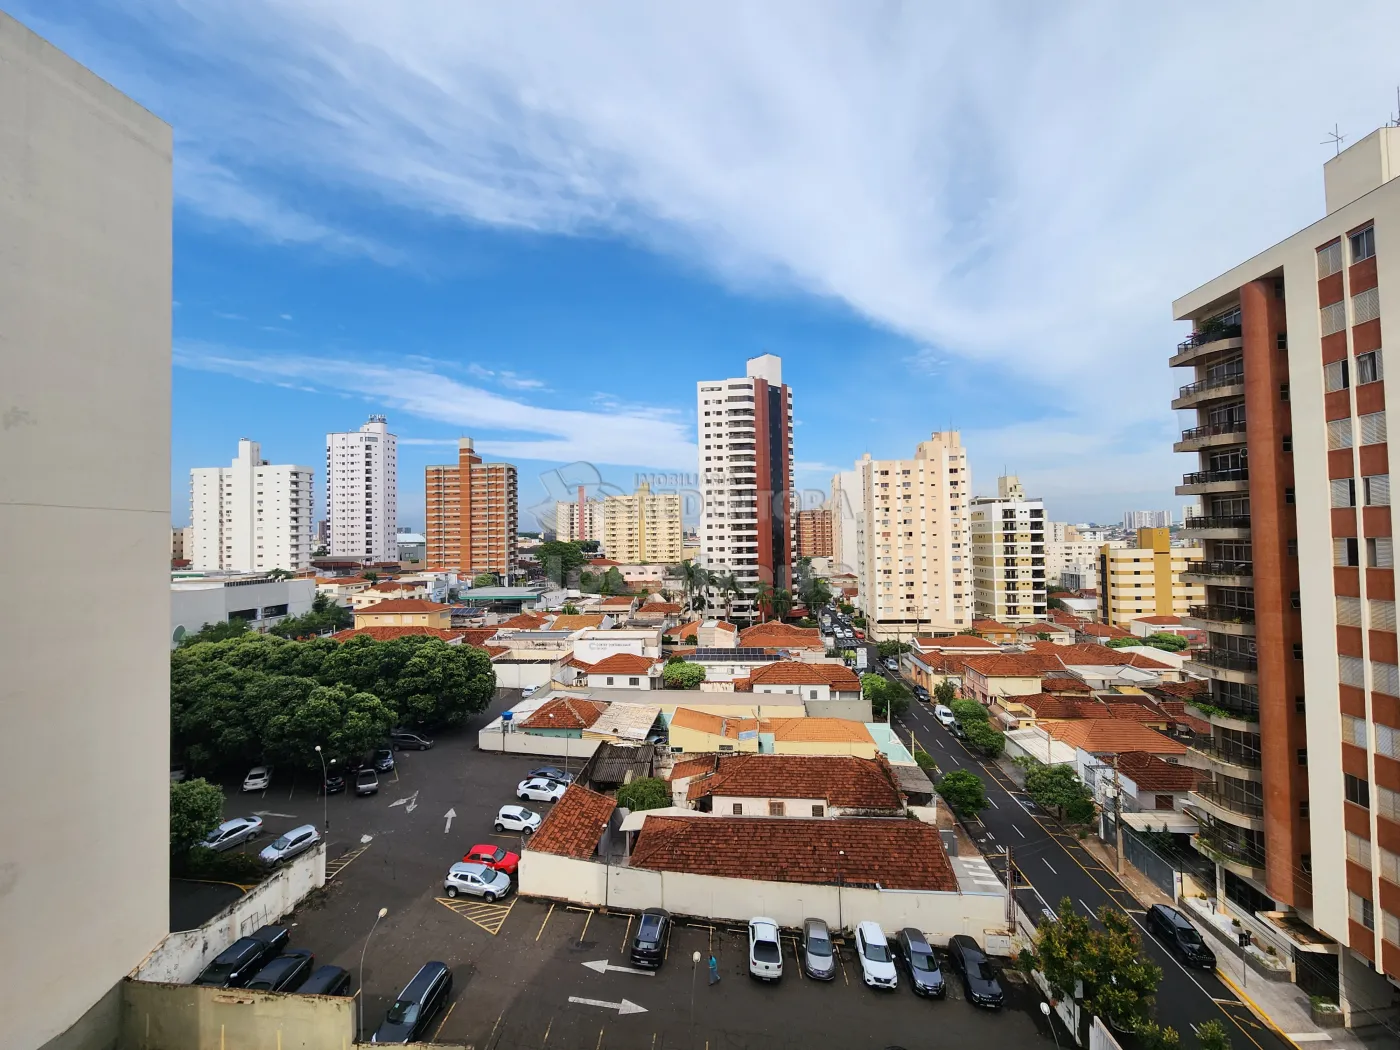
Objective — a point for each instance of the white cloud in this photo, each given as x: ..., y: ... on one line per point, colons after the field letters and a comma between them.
x: 560, y: 435
x: 502, y: 377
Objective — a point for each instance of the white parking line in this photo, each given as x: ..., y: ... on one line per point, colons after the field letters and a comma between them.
x: 1048, y: 865
x: 993, y: 802
x: 1018, y: 831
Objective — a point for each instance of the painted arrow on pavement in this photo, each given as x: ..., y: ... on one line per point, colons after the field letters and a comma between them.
x: 624, y: 1007
x: 449, y: 815
x: 269, y: 813
x: 603, y: 966
x: 410, y: 800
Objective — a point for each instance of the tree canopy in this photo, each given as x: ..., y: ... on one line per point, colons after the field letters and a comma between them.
x: 884, y: 694
x: 216, y: 632
x: 644, y: 793
x: 1059, y: 788
x: 261, y: 698
x: 683, y: 675
x: 325, y: 615
x: 560, y: 559
x: 892, y: 647
x: 964, y: 791
x: 484, y: 579
x: 195, y: 809
x: 945, y: 693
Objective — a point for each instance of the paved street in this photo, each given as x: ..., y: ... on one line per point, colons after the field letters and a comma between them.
x: 1057, y: 866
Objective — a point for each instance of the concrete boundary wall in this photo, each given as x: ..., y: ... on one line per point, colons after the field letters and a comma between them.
x: 181, y: 956
x: 161, y: 1016
x: 939, y: 914
x: 528, y: 744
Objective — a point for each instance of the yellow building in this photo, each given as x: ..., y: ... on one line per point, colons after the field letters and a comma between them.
x: 404, y: 612
x: 703, y: 732
x: 643, y: 527
x: 1145, y: 580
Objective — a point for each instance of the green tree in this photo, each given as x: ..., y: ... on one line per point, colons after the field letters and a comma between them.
x: 195, y: 809
x: 216, y: 632
x: 991, y: 742
x: 325, y: 615
x: 945, y: 693
x: 884, y: 695
x: 964, y: 792
x: 560, y: 559
x: 644, y: 793
x: 1152, y: 1036
x: 372, y: 576
x: 612, y: 582
x: 1213, y: 1036
x: 570, y: 609
x: 1172, y: 643
x: 926, y: 762
x: 846, y: 608
x: 1124, y: 643
x: 484, y: 579
x: 1056, y: 788
x: 892, y: 647
x: 588, y: 546
x: 683, y: 675
x: 968, y: 712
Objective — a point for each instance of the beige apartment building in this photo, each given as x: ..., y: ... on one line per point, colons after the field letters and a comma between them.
x: 814, y: 538
x: 1008, y: 554
x: 1067, y: 551
x: 473, y: 513
x: 251, y: 516
x: 1288, y: 385
x: 914, y: 545
x: 1146, y: 579
x: 580, y: 519
x: 847, y: 521
x: 85, y: 271
x: 643, y: 528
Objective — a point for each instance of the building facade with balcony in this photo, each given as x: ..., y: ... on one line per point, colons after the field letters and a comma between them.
x: 362, y: 493
x: 1288, y: 397
x: 643, y: 528
x: 1008, y: 554
x: 914, y: 544
x: 473, y: 513
x: 814, y: 539
x: 251, y: 516
x: 1146, y: 578
x: 748, y: 523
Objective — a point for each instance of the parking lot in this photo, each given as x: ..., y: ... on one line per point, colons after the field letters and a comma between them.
x: 530, y: 974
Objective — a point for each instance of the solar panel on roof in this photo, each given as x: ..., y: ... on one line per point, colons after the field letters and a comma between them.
x: 746, y: 655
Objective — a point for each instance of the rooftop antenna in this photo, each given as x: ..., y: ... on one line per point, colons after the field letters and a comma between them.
x: 1394, y: 121
x: 1335, y: 138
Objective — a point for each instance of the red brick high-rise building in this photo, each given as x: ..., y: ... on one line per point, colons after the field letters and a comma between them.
x: 472, y: 515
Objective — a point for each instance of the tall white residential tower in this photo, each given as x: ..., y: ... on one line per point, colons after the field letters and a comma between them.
x: 362, y: 492
x: 251, y: 516
x: 1008, y: 554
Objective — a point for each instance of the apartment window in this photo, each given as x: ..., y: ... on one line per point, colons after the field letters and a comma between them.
x: 1297, y: 650
x: 1282, y: 341
x: 1292, y: 546
x: 1362, y: 911
x: 1336, y: 375
x: 1348, y: 611
x: 1288, y: 442
x: 1388, y: 803
x: 1390, y: 926
x: 1358, y: 791
x: 1329, y: 260
x: 1295, y: 599
x: 610, y: 681
x: 1289, y: 497
x: 1334, y: 317
x: 818, y: 811
x: 1363, y: 244
x: 1358, y: 850
x: 1339, y: 433
x: 1302, y: 756
x: 1343, y: 492
x: 1353, y: 728
x: 1377, y: 490
x: 1372, y: 428
x: 1385, y: 678
x: 1300, y: 704
x: 1387, y: 741
x: 1379, y: 553
x: 1382, y: 614
x: 1368, y: 368
x: 775, y: 809
x: 1305, y: 862
x: 1365, y: 306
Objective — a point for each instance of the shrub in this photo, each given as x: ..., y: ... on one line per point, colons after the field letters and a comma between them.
x: 678, y: 674
x: 644, y: 793
x: 968, y: 711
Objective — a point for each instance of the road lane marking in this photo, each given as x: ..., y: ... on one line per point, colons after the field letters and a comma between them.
x: 1048, y: 865
x: 489, y: 916
x: 585, y: 927
x: 493, y: 1029
x: 627, y: 933
x: 537, y: 940
x: 603, y: 966
x: 993, y: 802
x: 1018, y: 831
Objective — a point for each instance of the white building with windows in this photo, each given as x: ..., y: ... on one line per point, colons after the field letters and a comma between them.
x: 362, y: 492
x: 251, y: 516
x: 1008, y: 550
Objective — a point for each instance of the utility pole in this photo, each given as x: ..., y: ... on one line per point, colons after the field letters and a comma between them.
x: 1010, y: 894
x: 1118, y: 814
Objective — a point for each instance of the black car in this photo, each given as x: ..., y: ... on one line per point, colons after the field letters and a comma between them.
x: 286, y: 973
x: 979, y: 979
x: 383, y: 759
x: 408, y: 1020
x: 551, y: 773
x: 335, y: 784
x: 649, y: 946
x: 1170, y: 926
x: 921, y: 693
x: 408, y: 740
x: 913, y: 950
x: 235, y: 965
x: 327, y: 980
x: 366, y: 782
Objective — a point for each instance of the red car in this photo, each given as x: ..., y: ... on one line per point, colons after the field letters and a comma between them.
x: 493, y: 857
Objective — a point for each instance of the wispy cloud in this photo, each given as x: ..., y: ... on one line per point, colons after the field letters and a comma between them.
x: 502, y: 377
x: 519, y: 430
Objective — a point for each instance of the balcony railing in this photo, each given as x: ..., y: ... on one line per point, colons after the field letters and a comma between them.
x: 1236, y: 756
x: 1235, y: 426
x: 1219, y: 521
x: 1220, y: 568
x: 1233, y: 379
x: 1217, y: 840
x: 1221, y: 613
x: 1209, y: 335
x: 1236, y: 805
x: 1232, y: 707
x: 1205, y: 477
x: 1226, y: 659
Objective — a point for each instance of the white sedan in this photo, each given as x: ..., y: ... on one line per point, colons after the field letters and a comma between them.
x: 539, y: 789
x: 517, y: 818
x: 233, y: 832
x: 258, y: 778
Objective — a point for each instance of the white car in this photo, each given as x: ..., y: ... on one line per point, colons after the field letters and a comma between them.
x: 765, y: 950
x: 287, y: 846
x: 233, y: 832
x: 944, y: 715
x: 876, y: 959
x: 540, y: 789
x: 476, y: 880
x: 517, y: 818
x: 528, y: 691
x: 258, y: 778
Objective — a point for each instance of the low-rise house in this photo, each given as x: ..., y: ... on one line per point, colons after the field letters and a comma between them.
x: 694, y: 731
x: 404, y: 612
x: 340, y: 589
x: 829, y: 689
x: 1058, y: 633
x: 622, y: 606
x: 994, y: 631
x: 1145, y: 783
x: 775, y: 634
x: 686, y: 633
x: 1146, y: 626
x: 797, y: 786
x: 590, y: 646
x: 985, y: 678
x: 384, y: 590
x: 615, y: 764
x: 663, y: 614
x: 1100, y: 633
x: 625, y: 671
x: 563, y: 716
x: 1103, y: 738
x: 573, y: 623
x: 715, y: 634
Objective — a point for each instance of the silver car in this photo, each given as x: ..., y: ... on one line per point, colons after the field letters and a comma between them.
x: 818, y: 956
x: 476, y: 880
x: 289, y: 845
x: 233, y: 832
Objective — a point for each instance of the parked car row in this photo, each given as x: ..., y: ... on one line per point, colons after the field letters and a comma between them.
x: 259, y: 962
x: 880, y: 958
x: 239, y: 830
x: 380, y: 760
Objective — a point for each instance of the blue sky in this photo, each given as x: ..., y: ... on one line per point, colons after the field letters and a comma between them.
x: 542, y: 226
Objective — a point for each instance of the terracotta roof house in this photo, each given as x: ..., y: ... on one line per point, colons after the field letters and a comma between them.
x: 1157, y: 785
x: 896, y: 854
x: 683, y: 631
x: 985, y: 678
x: 625, y: 671
x: 778, y: 635
x: 574, y: 827
x: 1102, y: 632
x: 798, y: 786
x: 523, y: 622
x: 956, y: 643
x: 563, y: 716
x: 404, y: 612
x: 994, y: 631
x: 791, y: 676
x: 387, y: 634
x: 693, y: 731
x: 579, y: 622
x: 1111, y: 736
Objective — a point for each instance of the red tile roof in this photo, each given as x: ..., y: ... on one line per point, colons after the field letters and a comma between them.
x: 1093, y: 654
x: 404, y: 605
x: 1065, y: 684
x: 1150, y: 773
x: 692, y: 767
x: 1133, y: 712
x: 1109, y: 736
x: 993, y: 626
x: 617, y: 601
x: 844, y: 781
x: 603, y: 561
x: 524, y: 622
x: 958, y: 642
x: 1159, y: 621
x: 1046, y: 706
x: 1182, y: 720
x: 477, y: 636
x: 899, y: 854
x: 1193, y: 687
x: 575, y: 824
x: 1104, y: 630
x: 565, y: 712
x: 780, y: 635
x: 793, y: 672
x: 683, y: 631
x: 494, y: 651
x: 1012, y: 665
x: 623, y: 663
x: 665, y: 608
x: 388, y: 634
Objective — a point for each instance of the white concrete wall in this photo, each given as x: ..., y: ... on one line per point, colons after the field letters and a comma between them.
x: 939, y: 915
x: 513, y: 675
x: 182, y: 955
x: 192, y: 605
x: 85, y: 264
x: 490, y: 739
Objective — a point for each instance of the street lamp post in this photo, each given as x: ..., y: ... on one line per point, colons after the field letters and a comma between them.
x: 382, y: 912
x: 1045, y: 1009
x: 694, y: 966
x: 325, y: 794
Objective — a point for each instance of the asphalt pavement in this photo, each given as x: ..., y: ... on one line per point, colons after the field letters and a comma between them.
x: 1057, y: 866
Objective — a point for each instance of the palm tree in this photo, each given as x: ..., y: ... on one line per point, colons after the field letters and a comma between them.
x: 728, y: 586
x: 763, y: 599
x: 781, y: 601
